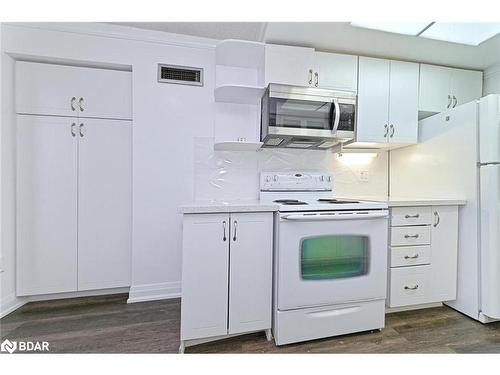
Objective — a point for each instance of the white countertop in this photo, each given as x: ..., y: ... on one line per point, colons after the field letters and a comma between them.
x: 228, y: 206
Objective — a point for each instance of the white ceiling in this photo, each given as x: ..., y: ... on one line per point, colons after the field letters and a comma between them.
x: 341, y: 37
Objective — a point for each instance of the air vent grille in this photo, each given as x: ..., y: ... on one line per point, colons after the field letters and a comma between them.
x: 183, y: 75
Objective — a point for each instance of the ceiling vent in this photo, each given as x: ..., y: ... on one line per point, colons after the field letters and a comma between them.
x: 183, y: 75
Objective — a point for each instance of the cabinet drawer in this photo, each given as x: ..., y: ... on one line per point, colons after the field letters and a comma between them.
x: 411, y: 216
x: 409, y: 286
x: 410, y: 256
x: 407, y: 236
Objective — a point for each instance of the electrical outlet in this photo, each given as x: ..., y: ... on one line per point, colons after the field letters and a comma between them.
x: 364, y: 176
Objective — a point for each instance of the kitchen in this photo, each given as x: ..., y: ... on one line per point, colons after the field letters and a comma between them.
x: 317, y: 196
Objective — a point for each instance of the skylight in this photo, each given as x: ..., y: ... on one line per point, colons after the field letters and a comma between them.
x: 470, y: 33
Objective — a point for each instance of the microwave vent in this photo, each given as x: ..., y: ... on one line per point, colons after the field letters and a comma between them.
x: 182, y: 75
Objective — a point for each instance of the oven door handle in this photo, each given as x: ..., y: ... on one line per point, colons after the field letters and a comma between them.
x: 336, y: 216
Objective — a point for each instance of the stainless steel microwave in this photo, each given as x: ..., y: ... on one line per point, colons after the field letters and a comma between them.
x: 306, y: 117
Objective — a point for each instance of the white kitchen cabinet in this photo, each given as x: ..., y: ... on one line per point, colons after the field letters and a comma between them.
x: 423, y: 269
x: 205, y: 262
x: 442, y: 88
x: 289, y: 65
x: 373, y: 100
x: 250, y: 272
x: 336, y: 71
x: 301, y: 66
x: 73, y: 204
x: 104, y: 204
x: 50, y: 89
x: 47, y: 161
x: 226, y: 275
x: 444, y: 244
x: 387, y: 102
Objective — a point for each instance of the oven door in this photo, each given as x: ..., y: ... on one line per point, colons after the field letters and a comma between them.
x: 326, y: 258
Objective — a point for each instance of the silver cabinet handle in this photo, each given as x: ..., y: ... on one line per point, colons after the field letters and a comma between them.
x: 392, y: 130
x: 73, y: 130
x: 310, y: 76
x: 386, y: 130
x: 438, y: 219
x: 449, y: 101
x: 72, y: 103
x: 81, y: 128
x: 414, y: 236
x: 80, y: 104
x: 455, y: 101
x: 415, y: 287
x: 416, y: 216
x: 224, y: 238
x: 234, y: 226
x: 316, y: 79
x: 411, y: 257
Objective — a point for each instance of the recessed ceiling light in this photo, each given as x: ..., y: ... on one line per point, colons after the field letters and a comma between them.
x: 471, y: 33
x: 408, y: 28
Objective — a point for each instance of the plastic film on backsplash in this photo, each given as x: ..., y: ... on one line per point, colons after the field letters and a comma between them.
x: 229, y: 175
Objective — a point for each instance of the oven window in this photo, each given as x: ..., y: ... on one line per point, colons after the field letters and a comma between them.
x: 334, y: 257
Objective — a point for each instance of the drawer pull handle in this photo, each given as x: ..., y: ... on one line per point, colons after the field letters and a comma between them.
x: 411, y: 287
x: 414, y: 236
x: 411, y: 257
x: 412, y: 216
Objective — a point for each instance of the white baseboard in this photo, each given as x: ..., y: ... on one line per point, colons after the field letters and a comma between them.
x: 152, y: 292
x: 389, y: 310
x: 11, y: 303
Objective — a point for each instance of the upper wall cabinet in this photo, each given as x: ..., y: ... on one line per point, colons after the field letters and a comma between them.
x: 301, y: 66
x: 443, y: 88
x: 387, y: 103
x: 49, y: 89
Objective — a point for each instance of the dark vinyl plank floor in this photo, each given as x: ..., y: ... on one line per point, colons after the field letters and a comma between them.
x: 107, y: 324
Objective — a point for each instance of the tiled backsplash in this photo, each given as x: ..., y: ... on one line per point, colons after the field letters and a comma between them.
x: 222, y: 175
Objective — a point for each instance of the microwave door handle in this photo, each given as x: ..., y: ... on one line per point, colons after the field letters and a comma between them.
x: 336, y: 117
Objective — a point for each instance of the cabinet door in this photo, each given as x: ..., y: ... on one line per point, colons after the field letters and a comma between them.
x: 104, y: 204
x: 46, y: 256
x: 403, y: 102
x: 434, y: 88
x: 466, y: 85
x: 289, y: 65
x: 45, y: 89
x: 205, y: 262
x: 444, y: 245
x: 336, y: 71
x: 104, y: 93
x: 373, y: 100
x: 250, y: 284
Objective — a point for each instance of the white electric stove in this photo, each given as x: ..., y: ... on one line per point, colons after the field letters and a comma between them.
x: 330, y: 258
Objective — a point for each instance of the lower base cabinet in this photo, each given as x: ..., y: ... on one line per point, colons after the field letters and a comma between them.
x: 226, y: 275
x: 423, y: 255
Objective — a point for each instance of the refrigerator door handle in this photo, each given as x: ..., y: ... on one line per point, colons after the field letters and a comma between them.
x: 488, y: 163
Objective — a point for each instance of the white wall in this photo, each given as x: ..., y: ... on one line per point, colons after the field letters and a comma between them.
x: 172, y: 144
x: 491, y: 80
x: 166, y: 118
x: 235, y: 175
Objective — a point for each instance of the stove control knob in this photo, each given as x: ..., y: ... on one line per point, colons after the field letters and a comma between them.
x: 329, y: 178
x: 268, y: 178
x: 275, y: 178
x: 322, y: 178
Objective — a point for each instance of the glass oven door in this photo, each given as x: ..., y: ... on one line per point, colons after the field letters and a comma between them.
x: 328, y: 258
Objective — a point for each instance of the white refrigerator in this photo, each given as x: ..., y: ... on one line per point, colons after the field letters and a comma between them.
x: 458, y: 156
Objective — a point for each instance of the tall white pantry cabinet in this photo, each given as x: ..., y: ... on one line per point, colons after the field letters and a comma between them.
x: 74, y: 178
